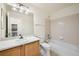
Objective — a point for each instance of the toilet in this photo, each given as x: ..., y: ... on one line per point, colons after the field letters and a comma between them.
x: 45, y: 49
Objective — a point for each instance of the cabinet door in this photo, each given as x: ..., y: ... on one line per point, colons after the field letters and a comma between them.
x: 32, y: 49
x: 11, y: 52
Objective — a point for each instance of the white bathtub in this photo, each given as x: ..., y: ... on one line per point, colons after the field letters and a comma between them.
x: 64, y: 49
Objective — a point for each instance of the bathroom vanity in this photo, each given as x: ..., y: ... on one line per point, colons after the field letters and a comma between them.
x: 20, y: 47
x: 12, y: 24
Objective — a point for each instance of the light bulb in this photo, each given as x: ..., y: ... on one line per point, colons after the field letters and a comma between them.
x: 14, y: 9
x: 20, y: 11
x: 26, y: 12
x: 14, y: 5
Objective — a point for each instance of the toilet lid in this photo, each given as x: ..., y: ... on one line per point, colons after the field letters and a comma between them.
x: 45, y: 45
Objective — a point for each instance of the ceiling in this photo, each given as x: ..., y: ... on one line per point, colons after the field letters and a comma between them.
x: 48, y: 7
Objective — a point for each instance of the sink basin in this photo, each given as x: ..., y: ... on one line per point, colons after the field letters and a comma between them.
x: 21, y: 40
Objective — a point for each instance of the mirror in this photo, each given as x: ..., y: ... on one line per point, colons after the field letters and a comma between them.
x: 18, y: 23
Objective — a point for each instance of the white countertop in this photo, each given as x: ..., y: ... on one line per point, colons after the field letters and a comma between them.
x: 6, y: 44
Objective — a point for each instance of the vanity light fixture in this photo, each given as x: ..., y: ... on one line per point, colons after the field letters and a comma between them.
x: 23, y: 8
x: 20, y: 7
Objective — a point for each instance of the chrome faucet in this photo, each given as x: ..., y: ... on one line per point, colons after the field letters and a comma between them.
x: 20, y: 36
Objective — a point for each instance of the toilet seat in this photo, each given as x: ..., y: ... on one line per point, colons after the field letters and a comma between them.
x: 45, y: 45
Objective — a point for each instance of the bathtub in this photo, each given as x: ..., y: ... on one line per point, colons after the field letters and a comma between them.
x: 62, y: 48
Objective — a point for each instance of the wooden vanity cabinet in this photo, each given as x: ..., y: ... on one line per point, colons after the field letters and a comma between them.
x: 11, y: 52
x: 30, y: 49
